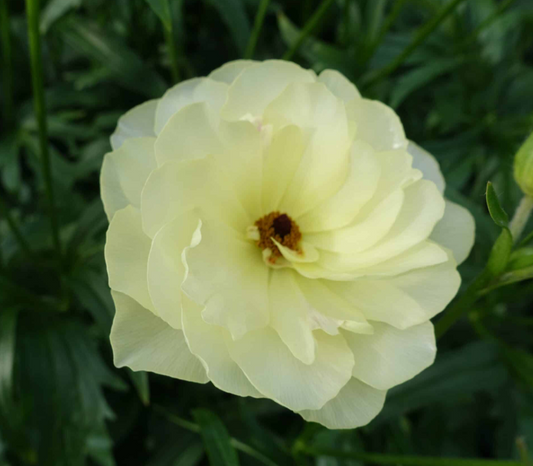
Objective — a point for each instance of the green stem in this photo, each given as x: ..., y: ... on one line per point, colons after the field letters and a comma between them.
x: 32, y: 10
x: 192, y: 427
x: 308, y: 28
x: 172, y: 51
x: 7, y: 70
x: 418, y: 39
x: 387, y: 24
x: 24, y: 246
x: 377, y: 458
x: 521, y: 217
x: 258, y: 24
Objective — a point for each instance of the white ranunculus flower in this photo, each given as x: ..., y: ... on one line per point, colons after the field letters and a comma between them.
x: 275, y: 233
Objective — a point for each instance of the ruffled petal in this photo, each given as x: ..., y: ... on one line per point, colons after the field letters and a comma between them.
x: 136, y: 123
x: 391, y: 356
x: 126, y: 256
x: 406, y: 300
x: 258, y: 85
x: 207, y: 342
x: 228, y: 72
x: 213, y: 93
x: 143, y: 342
x: 166, y: 271
x: 289, y: 315
x: 339, y: 85
x: 358, y: 188
x: 377, y: 124
x: 427, y: 164
x: 226, y: 275
x: 124, y: 173
x: 277, y: 374
x: 355, y: 406
x: 455, y: 231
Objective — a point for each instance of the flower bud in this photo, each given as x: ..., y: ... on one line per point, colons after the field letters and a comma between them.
x: 523, y: 166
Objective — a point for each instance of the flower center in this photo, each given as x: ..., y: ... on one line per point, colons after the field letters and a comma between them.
x: 280, y: 227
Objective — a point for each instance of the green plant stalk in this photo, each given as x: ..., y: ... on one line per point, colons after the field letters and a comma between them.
x: 24, y: 245
x: 7, y: 62
x: 192, y: 427
x: 32, y: 10
x: 173, y: 52
x: 521, y: 217
x: 308, y: 28
x: 377, y: 458
x: 419, y: 38
x: 258, y: 25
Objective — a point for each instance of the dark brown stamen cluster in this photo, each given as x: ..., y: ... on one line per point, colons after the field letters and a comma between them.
x: 280, y: 227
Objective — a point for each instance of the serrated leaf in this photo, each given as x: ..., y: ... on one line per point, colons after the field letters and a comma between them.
x: 162, y: 9
x: 496, y: 211
x: 216, y: 439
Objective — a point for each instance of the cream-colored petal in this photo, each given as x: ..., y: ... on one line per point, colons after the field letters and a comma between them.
x: 306, y: 253
x: 320, y: 298
x: 377, y: 124
x: 427, y: 164
x: 355, y: 406
x: 422, y: 208
x: 178, y: 187
x: 166, y: 271
x: 455, y: 231
x: 358, y: 188
x: 143, y: 342
x: 136, y: 123
x: 191, y: 133
x: 126, y: 256
x: 207, y: 342
x: 366, y: 232
x: 213, y: 93
x: 282, y: 159
x: 339, y: 85
x: 123, y: 176
x: 277, y: 374
x: 257, y: 85
x: 226, y: 274
x: 406, y: 300
x: 228, y: 72
x: 391, y: 356
x: 289, y: 315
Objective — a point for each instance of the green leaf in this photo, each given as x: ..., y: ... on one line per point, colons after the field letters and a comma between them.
x: 161, y: 8
x: 124, y: 64
x: 142, y: 385
x: 8, y: 320
x: 54, y: 10
x: 500, y: 253
x: 496, y: 211
x: 216, y: 439
x: 233, y: 14
x: 521, y: 258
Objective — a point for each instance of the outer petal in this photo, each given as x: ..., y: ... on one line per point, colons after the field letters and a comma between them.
x: 136, y: 123
x: 377, y: 124
x: 212, y: 93
x: 358, y: 188
x: 124, y: 173
x: 166, y: 271
x: 339, y: 85
x: 278, y: 375
x: 143, y: 342
x: 258, y: 85
x: 427, y: 164
x: 289, y: 313
x: 207, y: 342
x: 406, y: 300
x: 355, y: 406
x: 391, y: 356
x: 228, y: 72
x: 226, y: 275
x: 126, y: 256
x: 456, y: 231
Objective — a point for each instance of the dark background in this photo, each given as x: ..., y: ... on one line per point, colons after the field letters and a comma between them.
x: 464, y: 92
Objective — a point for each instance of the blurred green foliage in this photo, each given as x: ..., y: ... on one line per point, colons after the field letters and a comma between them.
x: 460, y: 75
